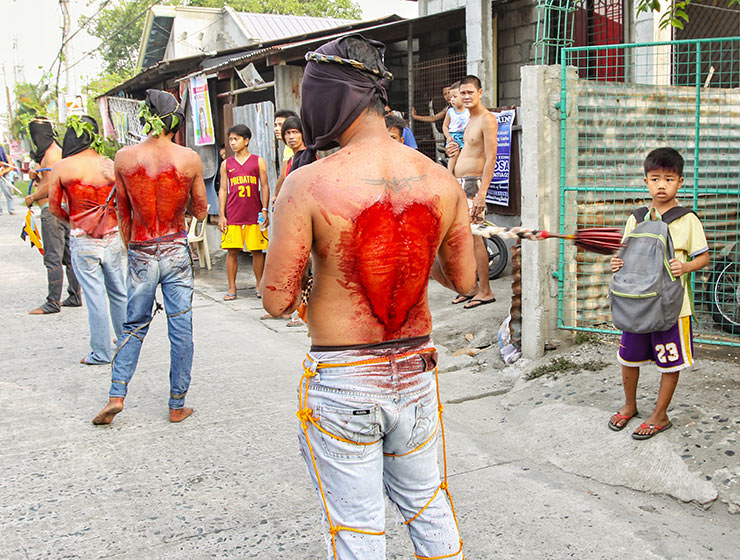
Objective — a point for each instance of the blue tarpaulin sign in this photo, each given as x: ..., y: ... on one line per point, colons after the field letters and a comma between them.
x: 498, y: 190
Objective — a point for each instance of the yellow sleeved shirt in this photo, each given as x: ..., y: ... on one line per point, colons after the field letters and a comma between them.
x: 689, y: 241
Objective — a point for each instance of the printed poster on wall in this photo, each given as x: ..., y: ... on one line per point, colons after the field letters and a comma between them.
x: 498, y: 190
x: 201, y: 105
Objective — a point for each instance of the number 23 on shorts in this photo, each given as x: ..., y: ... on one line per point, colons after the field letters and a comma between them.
x: 671, y: 349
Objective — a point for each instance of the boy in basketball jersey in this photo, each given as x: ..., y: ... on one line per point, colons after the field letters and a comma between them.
x: 244, y: 195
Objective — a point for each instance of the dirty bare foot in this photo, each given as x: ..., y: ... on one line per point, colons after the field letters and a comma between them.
x: 179, y: 414
x: 105, y: 416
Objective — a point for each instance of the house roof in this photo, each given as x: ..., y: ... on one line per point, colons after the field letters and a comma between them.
x: 269, y: 27
x: 254, y: 28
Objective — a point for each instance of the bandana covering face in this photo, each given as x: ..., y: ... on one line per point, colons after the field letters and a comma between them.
x: 42, y: 136
x: 164, y: 105
x: 333, y: 96
x: 74, y: 144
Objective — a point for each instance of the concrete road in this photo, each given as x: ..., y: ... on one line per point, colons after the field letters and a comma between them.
x: 529, y: 474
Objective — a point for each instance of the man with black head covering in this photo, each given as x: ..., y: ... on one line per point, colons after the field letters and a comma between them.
x: 156, y: 181
x: 86, y: 179
x: 377, y: 219
x: 54, y: 232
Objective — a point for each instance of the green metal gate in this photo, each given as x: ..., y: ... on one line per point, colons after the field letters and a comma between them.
x: 617, y: 103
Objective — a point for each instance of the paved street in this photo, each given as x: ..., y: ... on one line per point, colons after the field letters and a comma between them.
x: 535, y: 473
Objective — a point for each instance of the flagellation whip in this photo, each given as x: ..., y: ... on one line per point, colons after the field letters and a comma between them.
x: 604, y: 241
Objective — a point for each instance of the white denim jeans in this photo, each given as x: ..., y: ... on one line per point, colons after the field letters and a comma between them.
x: 388, y: 412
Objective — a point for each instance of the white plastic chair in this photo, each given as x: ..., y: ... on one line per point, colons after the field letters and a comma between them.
x: 199, y: 239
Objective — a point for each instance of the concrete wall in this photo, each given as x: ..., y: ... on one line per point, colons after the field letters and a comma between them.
x: 427, y: 7
x: 198, y: 30
x: 540, y: 117
x: 517, y: 31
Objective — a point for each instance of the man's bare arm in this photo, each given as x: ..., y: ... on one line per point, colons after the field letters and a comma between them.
x: 455, y: 264
x: 281, y: 179
x: 123, y: 205
x: 55, y: 195
x: 42, y: 189
x: 223, y: 193
x: 290, y: 247
x: 490, y: 147
x: 264, y: 189
x: 198, y: 204
x: 428, y: 118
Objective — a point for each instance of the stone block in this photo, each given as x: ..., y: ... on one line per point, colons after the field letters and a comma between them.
x: 511, y: 54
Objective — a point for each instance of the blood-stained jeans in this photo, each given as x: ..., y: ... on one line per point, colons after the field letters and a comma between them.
x: 388, y: 413
x: 149, y: 265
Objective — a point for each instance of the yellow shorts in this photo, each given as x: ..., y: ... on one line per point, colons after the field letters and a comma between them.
x: 247, y: 238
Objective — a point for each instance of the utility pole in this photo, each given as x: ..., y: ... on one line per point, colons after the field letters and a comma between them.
x: 61, y: 105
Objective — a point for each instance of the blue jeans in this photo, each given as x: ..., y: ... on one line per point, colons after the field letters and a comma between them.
x: 99, y: 267
x: 387, y: 417
x: 149, y: 265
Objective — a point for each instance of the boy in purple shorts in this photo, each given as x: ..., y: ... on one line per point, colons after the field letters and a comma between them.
x: 671, y: 350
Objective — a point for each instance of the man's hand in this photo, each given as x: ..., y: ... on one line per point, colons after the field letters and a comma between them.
x: 414, y: 114
x: 452, y: 148
x: 478, y: 211
x: 266, y: 214
x: 616, y: 263
x: 28, y: 200
x: 678, y: 268
x: 222, y: 224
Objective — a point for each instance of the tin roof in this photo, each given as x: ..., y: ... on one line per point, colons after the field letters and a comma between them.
x: 269, y: 27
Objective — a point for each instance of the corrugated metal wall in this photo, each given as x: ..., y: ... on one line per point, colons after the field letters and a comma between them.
x: 259, y: 118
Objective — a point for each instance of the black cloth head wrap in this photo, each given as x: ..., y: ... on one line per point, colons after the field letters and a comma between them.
x: 42, y: 136
x: 74, y: 144
x: 334, y: 93
x: 164, y: 105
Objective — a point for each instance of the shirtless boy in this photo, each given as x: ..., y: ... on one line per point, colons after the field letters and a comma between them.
x: 155, y: 182
x: 473, y: 166
x: 86, y: 179
x: 54, y: 232
x: 377, y: 219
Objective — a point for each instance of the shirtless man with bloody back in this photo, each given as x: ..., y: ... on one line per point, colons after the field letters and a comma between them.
x: 86, y: 179
x: 377, y: 219
x: 473, y: 167
x: 155, y: 182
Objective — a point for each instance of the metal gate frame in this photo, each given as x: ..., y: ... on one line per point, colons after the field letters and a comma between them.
x: 696, y: 166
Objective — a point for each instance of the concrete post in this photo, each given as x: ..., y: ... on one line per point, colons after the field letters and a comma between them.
x: 540, y: 118
x: 479, y: 31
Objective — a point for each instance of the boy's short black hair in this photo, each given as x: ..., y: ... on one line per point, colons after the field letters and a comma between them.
x: 455, y: 85
x: 470, y: 79
x: 285, y: 113
x: 664, y: 158
x: 291, y: 123
x: 240, y: 130
x: 394, y: 121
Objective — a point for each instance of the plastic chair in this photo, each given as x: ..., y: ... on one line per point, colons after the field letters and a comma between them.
x: 200, y: 240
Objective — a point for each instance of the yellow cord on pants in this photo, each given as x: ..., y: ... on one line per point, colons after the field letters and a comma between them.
x: 305, y: 415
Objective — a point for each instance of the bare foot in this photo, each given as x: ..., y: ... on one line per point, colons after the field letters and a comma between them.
x: 179, y: 414
x: 105, y: 416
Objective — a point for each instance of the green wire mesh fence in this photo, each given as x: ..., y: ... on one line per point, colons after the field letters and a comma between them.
x: 618, y: 102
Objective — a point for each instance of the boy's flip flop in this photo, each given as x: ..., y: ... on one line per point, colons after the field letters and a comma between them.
x: 644, y: 426
x: 473, y: 303
x: 621, y: 418
x: 229, y: 297
x: 461, y: 299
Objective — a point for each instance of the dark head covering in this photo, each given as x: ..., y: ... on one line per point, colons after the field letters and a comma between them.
x: 335, y: 90
x: 74, y: 144
x: 163, y: 104
x: 42, y: 136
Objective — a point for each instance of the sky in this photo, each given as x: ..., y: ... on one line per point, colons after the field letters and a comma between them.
x: 35, y: 27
